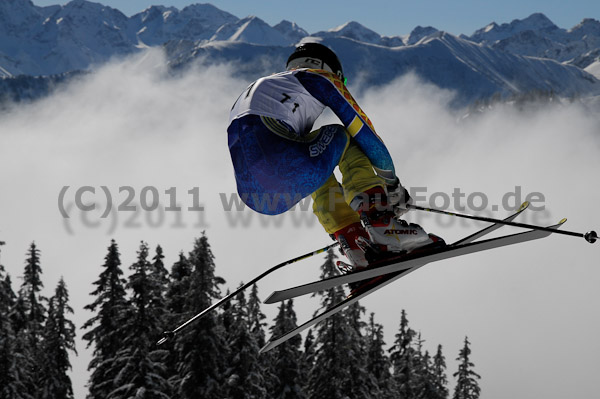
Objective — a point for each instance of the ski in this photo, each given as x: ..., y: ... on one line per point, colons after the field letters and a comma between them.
x: 491, y: 228
x: 478, y: 234
x: 167, y: 335
x: 462, y: 250
x: 406, y: 262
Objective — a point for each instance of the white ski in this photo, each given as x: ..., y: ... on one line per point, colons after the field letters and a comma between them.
x: 462, y: 247
x: 410, y: 261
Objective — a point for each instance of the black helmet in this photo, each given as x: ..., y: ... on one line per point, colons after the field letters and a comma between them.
x: 315, y: 55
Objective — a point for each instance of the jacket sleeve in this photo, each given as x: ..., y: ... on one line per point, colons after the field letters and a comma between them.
x: 331, y: 91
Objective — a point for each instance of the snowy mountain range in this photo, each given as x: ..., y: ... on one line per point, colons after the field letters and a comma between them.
x: 537, y: 36
x: 526, y: 55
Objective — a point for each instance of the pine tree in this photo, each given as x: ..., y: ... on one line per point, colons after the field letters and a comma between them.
x: 466, y: 385
x: 256, y: 317
x: 24, y: 362
x: 8, y: 379
x: 226, y: 318
x: 307, y: 360
x: 244, y: 375
x: 378, y: 363
x: 201, y: 346
x: 11, y: 375
x: 421, y: 384
x: 158, y: 267
x: 111, y: 308
x: 59, y: 339
x: 159, y: 283
x: 257, y: 328
x: 176, y: 297
x: 178, y: 288
x: 286, y: 358
x: 438, y: 370
x: 424, y: 387
x: 32, y: 285
x: 328, y: 379
x: 402, y: 356
x: 362, y: 384
x: 35, y: 315
x: 139, y: 367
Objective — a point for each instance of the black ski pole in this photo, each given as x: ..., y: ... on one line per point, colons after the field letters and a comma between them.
x: 167, y: 335
x: 590, y: 236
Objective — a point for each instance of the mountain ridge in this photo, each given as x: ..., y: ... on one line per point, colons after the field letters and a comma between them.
x: 81, y: 35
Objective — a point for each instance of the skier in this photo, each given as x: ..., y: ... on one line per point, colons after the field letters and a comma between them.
x: 279, y: 159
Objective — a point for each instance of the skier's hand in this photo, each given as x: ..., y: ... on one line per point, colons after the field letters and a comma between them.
x: 398, y: 197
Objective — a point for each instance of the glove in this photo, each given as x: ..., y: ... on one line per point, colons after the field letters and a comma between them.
x: 398, y: 197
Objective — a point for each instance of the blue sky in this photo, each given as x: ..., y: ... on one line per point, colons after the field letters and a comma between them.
x: 387, y: 17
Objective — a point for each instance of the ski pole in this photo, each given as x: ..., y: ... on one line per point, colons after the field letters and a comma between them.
x: 590, y: 236
x: 167, y: 335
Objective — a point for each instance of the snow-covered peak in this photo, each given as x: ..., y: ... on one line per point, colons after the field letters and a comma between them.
x: 357, y: 32
x: 537, y: 36
x: 291, y: 31
x: 88, y: 10
x: 419, y: 33
x: 536, y: 21
x: 493, y: 32
x: 351, y: 26
x: 207, y: 15
x: 79, y: 34
x: 587, y: 22
x: 352, y: 30
x: 82, y: 11
x: 251, y: 30
x: 588, y: 26
x: 81, y: 19
x: 157, y: 25
x: 288, y: 25
x: 154, y: 13
x: 490, y: 27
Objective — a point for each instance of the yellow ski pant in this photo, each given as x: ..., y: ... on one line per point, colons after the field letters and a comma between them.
x: 331, y: 202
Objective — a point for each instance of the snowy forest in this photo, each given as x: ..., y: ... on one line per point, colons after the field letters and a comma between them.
x: 344, y: 356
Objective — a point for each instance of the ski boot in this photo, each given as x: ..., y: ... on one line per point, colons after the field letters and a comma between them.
x: 388, y: 236
x: 348, y: 237
x: 356, y: 245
